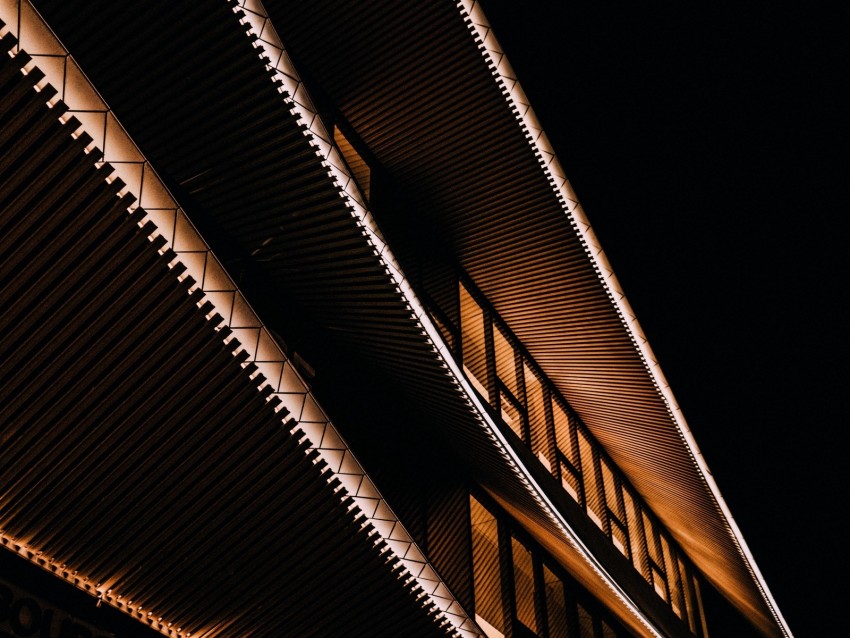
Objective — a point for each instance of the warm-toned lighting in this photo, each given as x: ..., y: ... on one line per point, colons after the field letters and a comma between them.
x: 490, y: 48
x: 242, y: 322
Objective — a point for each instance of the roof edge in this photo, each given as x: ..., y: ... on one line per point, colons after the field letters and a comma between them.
x: 472, y: 12
x: 191, y: 260
x: 345, y: 182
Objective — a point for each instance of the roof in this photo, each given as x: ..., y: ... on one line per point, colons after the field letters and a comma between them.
x: 462, y: 140
x: 148, y: 459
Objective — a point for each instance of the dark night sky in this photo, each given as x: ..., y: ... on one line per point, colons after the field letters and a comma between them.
x: 706, y: 147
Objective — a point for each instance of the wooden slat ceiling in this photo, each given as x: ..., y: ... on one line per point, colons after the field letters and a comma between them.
x: 190, y: 90
x: 138, y: 457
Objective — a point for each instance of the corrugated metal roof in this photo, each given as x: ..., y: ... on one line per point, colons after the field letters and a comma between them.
x: 453, y: 142
x: 406, y: 77
x: 339, y: 292
x: 140, y: 459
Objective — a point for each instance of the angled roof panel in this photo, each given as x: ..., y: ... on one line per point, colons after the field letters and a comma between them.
x: 481, y: 176
x: 146, y: 459
x: 530, y: 249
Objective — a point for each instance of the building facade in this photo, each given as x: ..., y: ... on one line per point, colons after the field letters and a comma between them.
x: 306, y: 334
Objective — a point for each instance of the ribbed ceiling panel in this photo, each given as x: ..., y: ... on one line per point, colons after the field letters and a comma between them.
x: 269, y: 193
x: 192, y: 92
x: 138, y: 456
x: 258, y: 177
x: 404, y: 76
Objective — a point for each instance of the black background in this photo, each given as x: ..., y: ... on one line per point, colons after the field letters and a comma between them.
x: 707, y: 147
